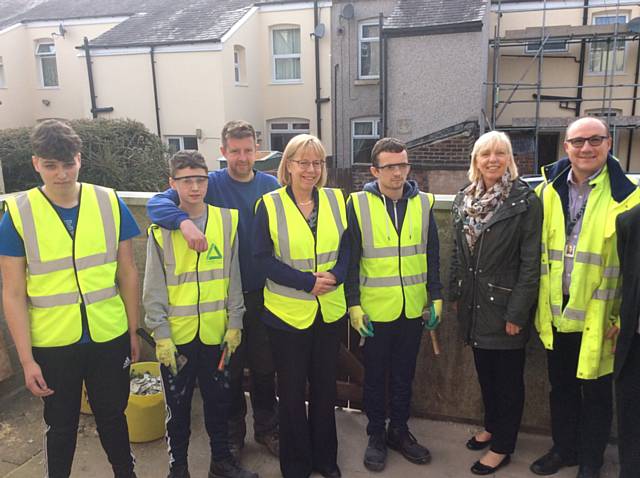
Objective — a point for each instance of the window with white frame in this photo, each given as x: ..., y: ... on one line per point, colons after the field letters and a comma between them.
x: 282, y: 130
x: 551, y: 45
x: 369, y: 50
x: 601, y: 52
x: 285, y: 46
x: 239, y: 65
x: 179, y: 143
x: 364, y: 134
x: 47, y: 66
x: 2, y: 80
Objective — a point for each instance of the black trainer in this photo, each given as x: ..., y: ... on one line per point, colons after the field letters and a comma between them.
x: 180, y: 471
x: 375, y: 456
x: 271, y: 441
x: 229, y: 468
x: 408, y: 446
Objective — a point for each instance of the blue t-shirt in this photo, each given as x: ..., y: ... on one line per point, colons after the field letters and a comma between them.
x: 223, y: 191
x: 11, y: 243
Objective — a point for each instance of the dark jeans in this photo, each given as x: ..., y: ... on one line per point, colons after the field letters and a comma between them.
x: 392, y: 350
x: 307, y: 442
x: 104, y: 367
x: 628, y: 397
x: 201, y: 366
x: 500, y: 373
x: 255, y: 353
x: 581, y: 410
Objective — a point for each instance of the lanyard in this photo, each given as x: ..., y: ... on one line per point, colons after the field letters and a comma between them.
x: 574, y: 220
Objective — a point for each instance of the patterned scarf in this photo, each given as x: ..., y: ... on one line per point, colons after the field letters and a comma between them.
x: 479, y: 205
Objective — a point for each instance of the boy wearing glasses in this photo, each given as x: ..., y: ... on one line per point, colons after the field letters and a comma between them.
x: 193, y: 301
x: 578, y: 304
x: 393, y: 272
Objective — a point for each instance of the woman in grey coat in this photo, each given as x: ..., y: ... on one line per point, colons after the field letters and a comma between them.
x: 494, y: 281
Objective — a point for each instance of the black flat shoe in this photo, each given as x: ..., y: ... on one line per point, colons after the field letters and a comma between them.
x: 480, y: 469
x: 475, y: 445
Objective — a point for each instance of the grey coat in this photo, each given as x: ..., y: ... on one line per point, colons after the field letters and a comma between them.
x: 498, y: 283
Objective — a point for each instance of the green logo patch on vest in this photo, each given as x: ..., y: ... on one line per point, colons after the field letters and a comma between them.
x: 213, y: 253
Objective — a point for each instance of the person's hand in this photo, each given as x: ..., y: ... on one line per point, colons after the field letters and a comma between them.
x: 612, y: 334
x: 326, y: 275
x: 323, y: 285
x: 135, y: 347
x: 360, y: 322
x: 34, y: 380
x: 435, y: 314
x: 194, y: 236
x: 166, y: 354
x: 232, y: 338
x: 512, y: 329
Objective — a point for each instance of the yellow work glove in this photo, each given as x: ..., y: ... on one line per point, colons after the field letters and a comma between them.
x: 166, y: 354
x: 232, y: 338
x: 360, y: 321
x: 435, y: 313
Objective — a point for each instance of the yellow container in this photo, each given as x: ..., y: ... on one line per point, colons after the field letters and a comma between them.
x: 146, y: 413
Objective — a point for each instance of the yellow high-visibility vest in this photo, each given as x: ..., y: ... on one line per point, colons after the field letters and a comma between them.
x: 198, y: 282
x: 295, y: 245
x: 393, y: 268
x: 64, y: 272
x: 595, y: 277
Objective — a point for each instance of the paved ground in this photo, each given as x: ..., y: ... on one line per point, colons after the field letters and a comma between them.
x: 21, y: 449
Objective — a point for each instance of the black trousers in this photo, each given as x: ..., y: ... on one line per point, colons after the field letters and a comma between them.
x: 500, y: 374
x: 255, y: 353
x: 581, y: 410
x: 104, y: 367
x: 307, y: 442
x: 392, y: 351
x: 202, y: 365
x: 628, y: 400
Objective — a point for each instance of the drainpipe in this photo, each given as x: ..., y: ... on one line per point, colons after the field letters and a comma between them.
x: 383, y: 76
x: 155, y: 89
x: 633, y: 107
x: 334, y: 126
x: 316, y: 44
x: 92, y: 90
x: 585, y: 18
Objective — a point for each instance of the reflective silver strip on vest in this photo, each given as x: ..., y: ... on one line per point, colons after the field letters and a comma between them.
x: 588, y: 258
x: 426, y: 217
x: 543, y: 248
x: 574, y: 314
x: 556, y: 310
x: 335, y: 209
x: 226, y: 230
x: 393, y: 281
x: 325, y: 257
x: 605, y: 294
x: 35, y: 264
x: 392, y: 251
x: 612, y: 271
x: 544, y: 269
x: 288, y: 291
x: 54, y: 300
x: 192, y: 310
x: 99, y: 295
x: 555, y: 255
x: 365, y: 225
x: 189, y: 277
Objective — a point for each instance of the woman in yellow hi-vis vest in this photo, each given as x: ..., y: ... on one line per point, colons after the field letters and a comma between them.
x: 300, y: 242
x: 70, y: 296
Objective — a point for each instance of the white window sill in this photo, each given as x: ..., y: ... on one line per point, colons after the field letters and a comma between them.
x: 366, y: 81
x: 286, y: 82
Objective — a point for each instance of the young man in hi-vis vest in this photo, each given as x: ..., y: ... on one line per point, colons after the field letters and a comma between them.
x: 393, y: 274
x: 70, y: 296
x: 194, y: 306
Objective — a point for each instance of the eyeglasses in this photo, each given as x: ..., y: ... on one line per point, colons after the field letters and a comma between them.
x: 394, y: 167
x: 593, y: 141
x: 309, y: 164
x: 191, y: 180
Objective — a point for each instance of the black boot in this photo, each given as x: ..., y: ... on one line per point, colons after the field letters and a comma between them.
x: 229, y: 468
x: 375, y: 456
x: 408, y: 446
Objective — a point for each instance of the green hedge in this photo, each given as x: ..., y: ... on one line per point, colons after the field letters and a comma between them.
x: 120, y: 154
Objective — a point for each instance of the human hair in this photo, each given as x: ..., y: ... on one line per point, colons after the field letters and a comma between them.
x: 237, y: 129
x: 296, y: 147
x: 188, y: 158
x: 489, y: 142
x: 599, y: 120
x: 386, y: 145
x: 54, y: 139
